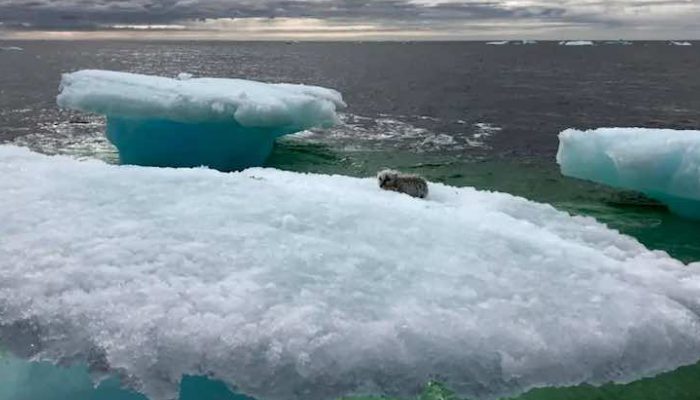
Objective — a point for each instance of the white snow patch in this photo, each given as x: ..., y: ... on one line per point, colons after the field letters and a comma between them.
x: 250, y: 103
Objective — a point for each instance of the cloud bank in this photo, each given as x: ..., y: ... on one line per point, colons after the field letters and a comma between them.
x: 342, y: 19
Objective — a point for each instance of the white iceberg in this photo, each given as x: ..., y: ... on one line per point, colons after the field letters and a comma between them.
x: 576, y: 43
x: 679, y: 43
x: 497, y: 43
x: 302, y: 286
x: 11, y: 48
x: 661, y: 163
x: 620, y: 42
x: 225, y: 124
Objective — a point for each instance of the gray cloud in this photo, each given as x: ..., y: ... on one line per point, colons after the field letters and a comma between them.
x: 441, y: 14
x: 73, y: 13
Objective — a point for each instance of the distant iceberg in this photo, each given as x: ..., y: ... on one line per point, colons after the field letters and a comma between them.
x: 619, y: 42
x: 301, y: 286
x: 661, y: 163
x: 576, y: 43
x: 498, y: 43
x: 679, y: 43
x: 11, y: 48
x: 225, y: 124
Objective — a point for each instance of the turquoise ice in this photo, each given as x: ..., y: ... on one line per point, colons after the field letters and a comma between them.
x: 226, y: 124
x: 664, y: 164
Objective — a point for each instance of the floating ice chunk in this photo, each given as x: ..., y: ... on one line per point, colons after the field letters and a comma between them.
x: 576, y: 43
x: 619, y: 42
x: 661, y: 163
x: 221, y: 123
x: 678, y: 43
x: 498, y: 43
x: 11, y: 48
x: 183, y: 76
x: 302, y: 286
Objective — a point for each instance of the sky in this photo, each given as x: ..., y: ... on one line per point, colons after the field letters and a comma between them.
x: 350, y: 19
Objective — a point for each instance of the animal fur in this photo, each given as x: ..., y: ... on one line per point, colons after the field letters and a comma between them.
x: 412, y: 185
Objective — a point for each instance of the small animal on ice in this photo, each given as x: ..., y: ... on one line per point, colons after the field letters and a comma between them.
x: 412, y: 185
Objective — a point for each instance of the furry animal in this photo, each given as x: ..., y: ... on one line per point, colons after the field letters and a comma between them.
x: 412, y: 185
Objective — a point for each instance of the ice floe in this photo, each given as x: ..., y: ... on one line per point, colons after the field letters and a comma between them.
x: 303, y: 286
x: 661, y: 163
x: 576, y: 43
x: 225, y: 124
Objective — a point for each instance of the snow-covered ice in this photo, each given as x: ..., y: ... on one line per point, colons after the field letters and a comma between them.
x: 222, y: 123
x: 302, y: 286
x: 661, y: 163
x: 576, y: 43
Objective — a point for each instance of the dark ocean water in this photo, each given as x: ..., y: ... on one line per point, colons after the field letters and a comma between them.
x: 466, y: 114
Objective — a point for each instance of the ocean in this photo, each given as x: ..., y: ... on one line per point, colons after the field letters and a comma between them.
x: 460, y: 113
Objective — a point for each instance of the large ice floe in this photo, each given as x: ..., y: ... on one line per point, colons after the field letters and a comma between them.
x: 225, y: 124
x: 302, y: 286
x: 661, y: 163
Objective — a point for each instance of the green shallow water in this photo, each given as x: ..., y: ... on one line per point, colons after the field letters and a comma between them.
x: 533, y: 178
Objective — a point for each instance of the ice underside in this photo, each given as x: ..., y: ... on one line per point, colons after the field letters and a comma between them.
x: 227, y: 124
x: 662, y: 163
x: 302, y: 286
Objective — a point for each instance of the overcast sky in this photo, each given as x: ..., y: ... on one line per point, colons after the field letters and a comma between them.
x: 351, y: 19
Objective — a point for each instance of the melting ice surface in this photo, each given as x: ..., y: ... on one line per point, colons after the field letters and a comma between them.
x: 302, y: 286
x: 225, y: 124
x: 661, y: 163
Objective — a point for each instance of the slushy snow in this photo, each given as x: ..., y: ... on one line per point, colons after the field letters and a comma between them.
x: 302, y: 286
x: 661, y: 163
x: 225, y: 124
